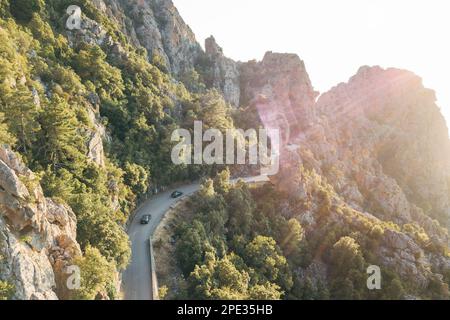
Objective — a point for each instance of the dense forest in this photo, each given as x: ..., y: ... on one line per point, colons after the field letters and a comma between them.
x: 55, y: 93
x: 240, y: 245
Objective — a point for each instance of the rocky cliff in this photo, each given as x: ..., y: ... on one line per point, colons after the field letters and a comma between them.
x: 224, y: 72
x: 379, y: 146
x: 156, y: 26
x: 393, y: 119
x: 37, y: 235
x: 281, y: 90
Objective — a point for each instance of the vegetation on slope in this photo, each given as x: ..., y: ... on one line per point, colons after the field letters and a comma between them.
x: 246, y: 243
x: 49, y: 89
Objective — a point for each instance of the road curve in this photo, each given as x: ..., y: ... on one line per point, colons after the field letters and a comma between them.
x: 136, y: 279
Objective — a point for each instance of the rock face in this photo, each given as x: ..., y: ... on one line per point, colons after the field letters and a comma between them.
x: 381, y: 144
x: 95, y: 144
x: 396, y: 129
x: 37, y: 235
x: 157, y: 26
x: 225, y: 73
x: 280, y: 88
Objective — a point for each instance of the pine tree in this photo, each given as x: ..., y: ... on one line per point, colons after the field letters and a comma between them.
x: 21, y: 114
x: 61, y: 141
x: 5, y: 136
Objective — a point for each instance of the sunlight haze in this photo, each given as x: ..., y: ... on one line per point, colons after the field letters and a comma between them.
x: 334, y: 38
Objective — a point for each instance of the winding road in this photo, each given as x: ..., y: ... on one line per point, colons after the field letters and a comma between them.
x: 136, y: 279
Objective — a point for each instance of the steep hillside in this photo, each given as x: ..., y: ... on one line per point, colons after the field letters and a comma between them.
x: 374, y: 151
x: 90, y: 111
x: 86, y: 117
x: 156, y: 26
x: 363, y: 182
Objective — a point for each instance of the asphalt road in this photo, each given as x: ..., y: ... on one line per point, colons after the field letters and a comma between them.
x: 136, y: 279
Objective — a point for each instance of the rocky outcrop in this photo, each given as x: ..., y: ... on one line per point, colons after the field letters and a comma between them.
x: 37, y: 235
x: 156, y: 26
x: 397, y: 137
x: 90, y: 32
x: 359, y: 136
x: 95, y: 143
x: 280, y: 88
x: 380, y: 143
x: 224, y: 72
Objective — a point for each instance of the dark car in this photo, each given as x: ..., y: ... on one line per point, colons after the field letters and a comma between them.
x: 146, y: 219
x: 176, y: 194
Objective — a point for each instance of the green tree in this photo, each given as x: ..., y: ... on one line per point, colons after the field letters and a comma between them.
x: 292, y: 236
x: 241, y: 207
x: 90, y: 64
x: 162, y: 292
x: 6, y: 290
x: 346, y: 255
x: 97, y: 228
x: 266, y: 291
x: 23, y: 10
x: 191, y: 247
x: 21, y: 115
x: 212, y: 110
x: 191, y: 79
x: 97, y: 274
x: 394, y: 290
x: 223, y: 279
x: 4, y: 9
x: 343, y: 289
x: 219, y: 279
x: 5, y: 136
x: 263, y: 254
x: 347, y: 269
x: 136, y: 177
x: 61, y: 140
x: 222, y: 183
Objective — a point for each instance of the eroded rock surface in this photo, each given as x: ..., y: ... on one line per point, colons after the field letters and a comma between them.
x: 37, y: 235
x: 381, y: 144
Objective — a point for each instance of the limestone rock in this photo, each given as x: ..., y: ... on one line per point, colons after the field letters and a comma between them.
x: 280, y: 88
x: 225, y: 73
x: 157, y: 26
x: 37, y: 235
x: 381, y: 144
x: 95, y: 144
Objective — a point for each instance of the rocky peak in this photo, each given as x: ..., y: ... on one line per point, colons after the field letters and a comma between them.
x: 280, y: 88
x: 222, y: 73
x: 392, y: 114
x: 212, y: 49
x: 157, y: 26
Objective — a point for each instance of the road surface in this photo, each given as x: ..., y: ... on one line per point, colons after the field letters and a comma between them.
x: 137, y: 277
x: 136, y: 280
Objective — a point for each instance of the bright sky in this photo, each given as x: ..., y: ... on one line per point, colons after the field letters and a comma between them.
x: 334, y: 38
